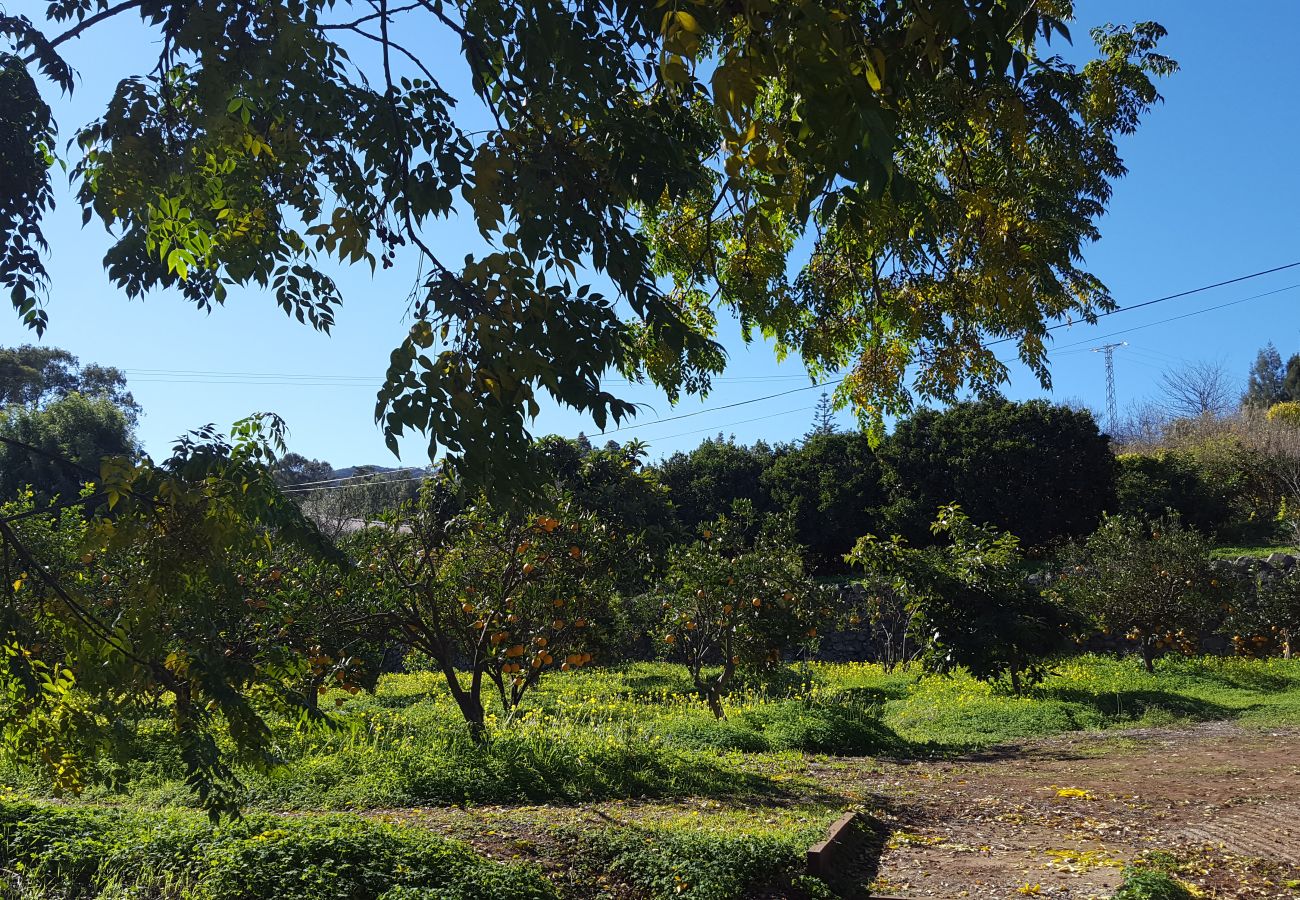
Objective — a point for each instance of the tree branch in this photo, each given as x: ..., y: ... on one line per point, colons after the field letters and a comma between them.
x: 76, y: 30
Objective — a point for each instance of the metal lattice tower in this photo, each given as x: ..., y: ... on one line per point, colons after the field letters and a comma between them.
x: 1112, y: 411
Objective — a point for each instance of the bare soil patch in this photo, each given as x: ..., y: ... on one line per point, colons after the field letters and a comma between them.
x: 1060, y: 817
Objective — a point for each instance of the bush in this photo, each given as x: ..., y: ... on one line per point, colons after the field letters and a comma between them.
x: 1151, y: 486
x: 77, y: 850
x: 1042, y: 472
x: 697, y: 865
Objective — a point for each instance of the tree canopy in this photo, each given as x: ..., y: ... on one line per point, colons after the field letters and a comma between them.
x: 56, y: 449
x: 880, y: 187
x: 1040, y: 471
x: 34, y: 376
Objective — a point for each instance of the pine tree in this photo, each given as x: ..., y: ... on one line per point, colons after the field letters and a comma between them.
x: 1268, y: 379
x: 823, y: 418
x: 1291, y: 381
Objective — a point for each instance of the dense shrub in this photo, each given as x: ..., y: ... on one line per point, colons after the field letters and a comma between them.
x: 1149, y: 486
x: 1040, y: 471
x: 703, y: 483
x: 830, y: 488
x: 77, y: 850
x: 667, y: 864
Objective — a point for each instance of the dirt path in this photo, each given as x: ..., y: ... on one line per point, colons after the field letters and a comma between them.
x: 1059, y: 817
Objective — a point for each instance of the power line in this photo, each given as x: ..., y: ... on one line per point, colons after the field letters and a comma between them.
x: 1187, y: 293
x: 1208, y: 309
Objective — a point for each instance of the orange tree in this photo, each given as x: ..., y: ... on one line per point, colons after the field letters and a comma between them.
x: 1148, y: 580
x: 497, y: 596
x: 736, y: 600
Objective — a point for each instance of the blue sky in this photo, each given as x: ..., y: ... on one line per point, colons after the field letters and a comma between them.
x: 1212, y: 193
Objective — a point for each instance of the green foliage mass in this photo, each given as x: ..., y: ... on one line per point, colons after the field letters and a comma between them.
x: 704, y: 482
x: 878, y: 187
x: 830, y: 487
x: 1040, y: 471
x: 72, y: 437
x: 972, y: 604
x: 1152, y: 485
x: 78, y: 851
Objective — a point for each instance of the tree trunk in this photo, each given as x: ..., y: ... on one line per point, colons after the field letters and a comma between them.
x: 1149, y: 654
x: 715, y: 704
x: 1286, y: 643
x: 1015, y: 682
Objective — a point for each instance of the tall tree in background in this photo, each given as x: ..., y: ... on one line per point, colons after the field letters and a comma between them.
x: 1198, y: 389
x: 294, y: 469
x: 35, y: 376
x: 945, y: 167
x: 57, y: 448
x: 1266, y: 383
x: 1291, y: 382
x: 823, y: 418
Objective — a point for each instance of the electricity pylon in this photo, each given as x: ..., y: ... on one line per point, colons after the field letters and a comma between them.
x: 1112, y: 412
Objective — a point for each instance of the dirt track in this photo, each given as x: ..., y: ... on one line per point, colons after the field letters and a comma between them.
x: 1061, y: 816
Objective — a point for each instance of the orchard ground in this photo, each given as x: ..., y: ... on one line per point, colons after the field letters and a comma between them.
x: 620, y: 784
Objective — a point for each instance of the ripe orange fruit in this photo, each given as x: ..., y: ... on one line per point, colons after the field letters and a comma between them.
x: 757, y: 602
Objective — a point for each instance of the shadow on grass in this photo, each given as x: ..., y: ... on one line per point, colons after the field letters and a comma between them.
x: 1118, y: 707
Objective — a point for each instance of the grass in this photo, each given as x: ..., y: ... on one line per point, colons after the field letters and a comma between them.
x: 1259, y: 550
x: 624, y: 770
x: 638, y: 732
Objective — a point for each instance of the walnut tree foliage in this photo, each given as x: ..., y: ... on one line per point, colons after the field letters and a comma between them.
x: 880, y: 186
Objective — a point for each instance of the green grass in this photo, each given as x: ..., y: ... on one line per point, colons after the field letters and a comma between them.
x: 1260, y: 550
x: 638, y: 732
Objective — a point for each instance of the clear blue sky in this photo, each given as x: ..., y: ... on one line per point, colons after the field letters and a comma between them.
x: 1213, y: 192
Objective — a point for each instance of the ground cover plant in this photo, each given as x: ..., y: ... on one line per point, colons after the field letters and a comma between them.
x: 640, y: 731
x: 703, y: 808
